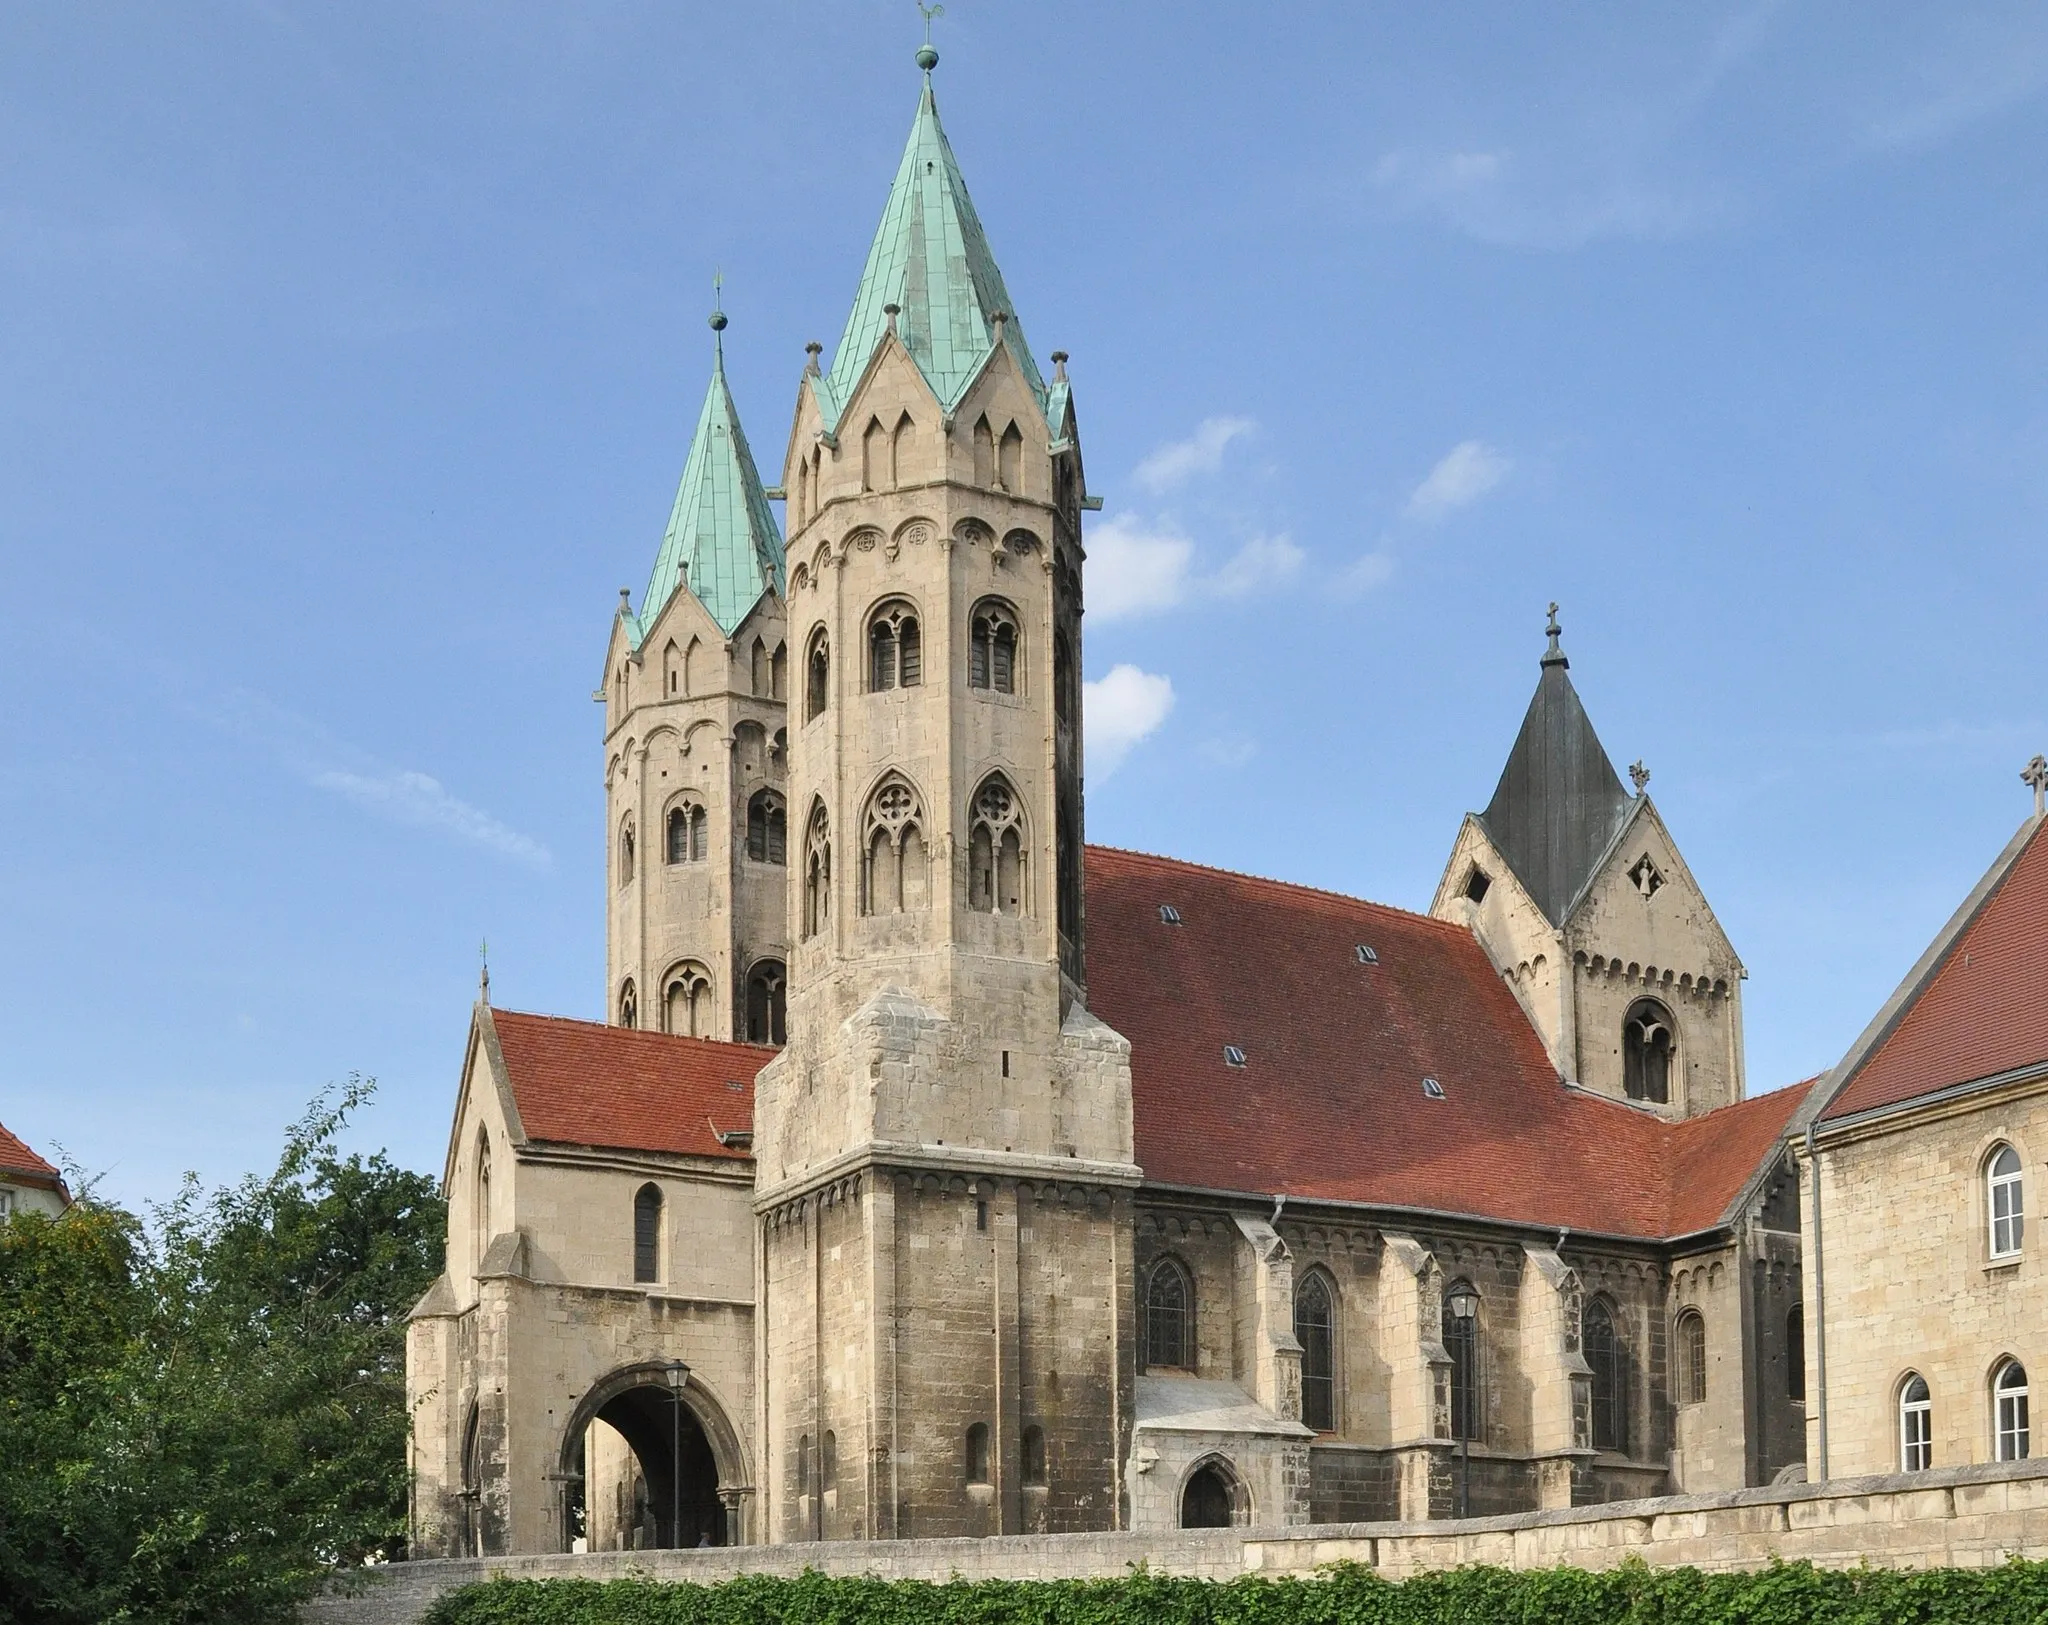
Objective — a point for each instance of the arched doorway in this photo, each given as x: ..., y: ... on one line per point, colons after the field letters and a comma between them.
x: 1212, y: 1497
x: 650, y: 1462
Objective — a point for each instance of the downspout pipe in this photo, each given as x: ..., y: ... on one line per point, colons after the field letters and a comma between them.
x: 1820, y: 1303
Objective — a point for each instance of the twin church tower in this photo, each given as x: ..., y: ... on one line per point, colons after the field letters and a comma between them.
x: 843, y: 786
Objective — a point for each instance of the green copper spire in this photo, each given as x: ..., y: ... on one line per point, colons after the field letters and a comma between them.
x: 930, y: 259
x: 722, y: 541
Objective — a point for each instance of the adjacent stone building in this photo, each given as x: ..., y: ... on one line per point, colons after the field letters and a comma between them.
x: 29, y: 1183
x: 938, y: 1174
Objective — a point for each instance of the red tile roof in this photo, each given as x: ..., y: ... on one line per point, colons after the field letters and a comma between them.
x: 1981, y: 1011
x: 19, y: 1161
x: 583, y: 1083
x: 1330, y: 1103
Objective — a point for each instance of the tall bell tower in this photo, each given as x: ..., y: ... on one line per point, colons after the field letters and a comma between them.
x: 944, y: 1153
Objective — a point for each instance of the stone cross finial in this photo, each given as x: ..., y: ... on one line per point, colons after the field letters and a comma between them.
x: 1554, y: 655
x: 2035, y: 774
x: 625, y: 600
x: 1639, y: 776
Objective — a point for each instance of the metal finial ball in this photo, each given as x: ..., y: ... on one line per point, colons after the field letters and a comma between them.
x: 718, y: 321
x: 927, y: 58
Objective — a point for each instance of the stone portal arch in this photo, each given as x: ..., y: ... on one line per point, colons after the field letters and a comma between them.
x: 691, y: 1462
x: 1213, y: 1495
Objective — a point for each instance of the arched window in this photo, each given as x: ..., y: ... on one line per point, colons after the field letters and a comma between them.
x: 895, y: 648
x: 1209, y: 1500
x: 984, y: 454
x: 1034, y: 1454
x: 626, y: 853
x: 778, y: 672
x: 629, y: 1005
x: 992, y: 647
x: 1315, y: 1330
x: 1690, y: 1336
x: 2004, y: 1190
x: 2009, y: 1407
x: 1010, y: 459
x: 817, y: 910
x: 1602, y: 1346
x: 1795, y: 1354
x: 1916, y: 1425
x: 672, y: 669
x: 803, y: 495
x: 688, y: 834
x: 977, y: 1453
x: 480, y: 1219
x: 647, y: 1233
x: 817, y: 674
x: 686, y: 1002
x: 767, y: 1021
x: 759, y: 674
x: 1461, y: 1342
x: 874, y: 457
x: 899, y: 451
x: 895, y: 877
x: 1647, y: 1041
x: 803, y: 1465
x: 828, y: 1463
x: 1066, y: 685
x: 767, y: 828
x: 995, y: 849
x: 1169, y: 1317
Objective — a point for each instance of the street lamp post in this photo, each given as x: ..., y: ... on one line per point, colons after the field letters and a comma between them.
x: 1463, y: 1304
x: 677, y: 1375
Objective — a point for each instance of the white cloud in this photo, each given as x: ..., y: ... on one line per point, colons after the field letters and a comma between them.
x: 1264, y: 561
x: 306, y: 750
x: 1135, y: 569
x: 1466, y: 473
x: 1371, y: 570
x: 1178, y: 461
x: 1123, y: 708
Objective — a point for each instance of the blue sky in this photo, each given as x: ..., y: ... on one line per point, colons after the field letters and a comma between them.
x: 352, y: 354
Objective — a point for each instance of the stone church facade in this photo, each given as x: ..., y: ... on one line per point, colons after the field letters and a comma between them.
x: 936, y: 1173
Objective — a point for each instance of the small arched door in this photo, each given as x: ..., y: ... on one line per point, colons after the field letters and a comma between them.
x: 1209, y: 1498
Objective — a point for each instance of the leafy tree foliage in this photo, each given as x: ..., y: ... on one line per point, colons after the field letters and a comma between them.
x: 202, y: 1411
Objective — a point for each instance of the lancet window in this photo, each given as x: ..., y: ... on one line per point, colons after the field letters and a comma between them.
x: 817, y: 910
x: 688, y: 833
x: 1169, y: 1317
x: 1647, y: 1042
x: 895, y: 648
x: 767, y: 828
x: 896, y: 876
x: 1603, y: 1353
x: 686, y: 1002
x: 767, y: 1007
x: 1316, y: 1331
x: 817, y: 674
x: 995, y: 849
x: 992, y: 647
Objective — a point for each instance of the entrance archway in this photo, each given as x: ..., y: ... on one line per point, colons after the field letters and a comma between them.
x: 1213, y: 1496
x: 648, y: 1460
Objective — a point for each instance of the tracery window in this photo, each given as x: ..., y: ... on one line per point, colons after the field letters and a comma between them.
x: 817, y: 910
x: 817, y: 674
x: 995, y: 849
x: 895, y: 876
x: 1647, y: 1041
x: 2004, y: 1190
x: 1691, y: 1338
x: 1603, y: 1352
x: 992, y: 648
x: 1169, y: 1317
x: 686, y: 1002
x: 1916, y: 1425
x: 647, y: 1233
x: 1461, y: 1342
x: 2009, y: 1404
x: 689, y: 832
x: 1315, y: 1330
x: 895, y: 648
x: 629, y: 1005
x: 767, y: 828
x: 767, y: 1007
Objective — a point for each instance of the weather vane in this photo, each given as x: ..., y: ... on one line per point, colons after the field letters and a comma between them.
x: 929, y: 12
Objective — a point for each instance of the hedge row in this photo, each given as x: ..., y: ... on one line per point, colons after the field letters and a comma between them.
x: 2015, y: 1593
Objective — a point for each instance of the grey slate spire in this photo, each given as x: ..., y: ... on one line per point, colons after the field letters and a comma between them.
x: 1559, y: 803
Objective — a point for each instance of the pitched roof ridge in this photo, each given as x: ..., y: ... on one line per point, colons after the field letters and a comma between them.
x: 1297, y: 887
x: 17, y: 1156
x: 499, y: 1012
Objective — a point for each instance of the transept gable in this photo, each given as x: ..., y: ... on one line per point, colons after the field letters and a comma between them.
x: 1645, y: 874
x: 482, y: 1059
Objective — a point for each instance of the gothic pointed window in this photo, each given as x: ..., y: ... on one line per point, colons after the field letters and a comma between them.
x: 984, y: 454
x: 1010, y: 460
x: 480, y: 1218
x: 767, y: 1019
x: 778, y: 672
x: 895, y: 876
x: 895, y: 648
x: 759, y: 673
x: 686, y: 1002
x: 1461, y: 1342
x: 817, y: 905
x: 767, y: 828
x: 647, y: 1234
x: 874, y: 457
x: 817, y: 675
x: 1603, y: 1352
x: 626, y: 853
x: 992, y: 647
x: 629, y: 1005
x: 995, y: 849
x: 1648, y: 1040
x: 1169, y: 1325
x: 899, y: 451
x: 1691, y: 1338
x: 1315, y: 1330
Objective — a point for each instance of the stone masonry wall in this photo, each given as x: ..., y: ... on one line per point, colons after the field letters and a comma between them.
x: 1964, y: 1517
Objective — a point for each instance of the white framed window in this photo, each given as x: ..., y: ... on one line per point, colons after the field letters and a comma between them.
x: 1916, y: 1426
x: 2005, y: 1193
x: 2009, y: 1408
x: 6, y: 1204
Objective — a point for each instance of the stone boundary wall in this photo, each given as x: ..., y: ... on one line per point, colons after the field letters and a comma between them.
x: 1963, y: 1517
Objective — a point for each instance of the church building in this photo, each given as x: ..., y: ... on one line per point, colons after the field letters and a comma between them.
x: 938, y: 1174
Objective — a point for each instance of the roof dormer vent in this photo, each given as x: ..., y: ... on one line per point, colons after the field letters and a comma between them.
x: 1233, y: 1055
x: 1168, y: 914
x: 1433, y: 1089
x: 1367, y: 955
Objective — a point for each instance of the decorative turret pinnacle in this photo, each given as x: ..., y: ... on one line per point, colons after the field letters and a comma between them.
x: 722, y: 542
x: 1554, y: 655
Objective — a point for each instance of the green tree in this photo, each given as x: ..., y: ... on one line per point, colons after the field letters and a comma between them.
x: 202, y: 1414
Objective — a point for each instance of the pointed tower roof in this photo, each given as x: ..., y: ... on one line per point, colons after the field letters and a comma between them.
x: 930, y: 259
x: 1559, y: 803
x: 722, y: 541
